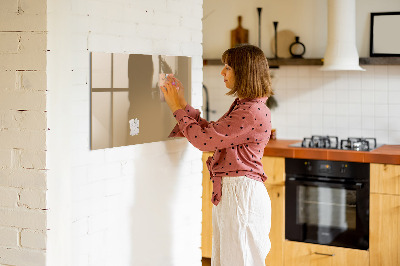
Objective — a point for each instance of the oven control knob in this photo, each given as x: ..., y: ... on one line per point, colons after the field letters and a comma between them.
x: 343, y: 168
x: 308, y: 166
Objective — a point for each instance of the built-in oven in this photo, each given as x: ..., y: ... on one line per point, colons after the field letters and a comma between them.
x: 327, y: 202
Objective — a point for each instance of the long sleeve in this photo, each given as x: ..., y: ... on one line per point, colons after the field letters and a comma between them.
x: 193, y: 113
x: 232, y: 130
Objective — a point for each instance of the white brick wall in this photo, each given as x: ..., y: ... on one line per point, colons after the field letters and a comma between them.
x: 135, y: 205
x: 23, y: 132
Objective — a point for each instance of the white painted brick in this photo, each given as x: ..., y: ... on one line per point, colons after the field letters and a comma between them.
x: 22, y: 22
x: 23, y: 100
x: 8, y: 197
x: 15, y: 139
x: 191, y: 48
x: 168, y: 19
x: 37, y: 7
x: 190, y: 22
x: 98, y: 222
x: 5, y: 159
x: 31, y: 56
x: 8, y: 80
x: 8, y: 237
x: 17, y: 256
x: 33, y: 199
x: 33, y: 239
x: 9, y: 42
x: 19, y: 217
x: 34, y: 120
x: 8, y: 6
x: 97, y: 173
x: 196, y: 10
x: 33, y: 159
x: 23, y: 178
x: 31, y: 80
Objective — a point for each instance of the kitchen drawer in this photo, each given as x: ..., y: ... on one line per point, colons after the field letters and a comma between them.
x: 305, y: 254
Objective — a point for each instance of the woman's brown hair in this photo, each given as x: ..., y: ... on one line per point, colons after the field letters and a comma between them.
x: 250, y: 66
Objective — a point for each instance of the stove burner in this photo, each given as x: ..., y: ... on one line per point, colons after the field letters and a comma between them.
x: 358, y: 144
x: 328, y: 142
x: 332, y: 142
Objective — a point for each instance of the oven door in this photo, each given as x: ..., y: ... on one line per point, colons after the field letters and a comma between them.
x: 327, y: 213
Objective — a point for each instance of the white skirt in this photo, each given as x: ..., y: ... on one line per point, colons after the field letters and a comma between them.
x: 241, y: 223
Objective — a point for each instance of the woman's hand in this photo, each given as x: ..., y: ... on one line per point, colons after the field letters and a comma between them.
x: 172, y: 95
x: 181, y: 92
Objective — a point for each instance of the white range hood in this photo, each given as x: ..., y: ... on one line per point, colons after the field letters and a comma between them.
x: 341, y: 51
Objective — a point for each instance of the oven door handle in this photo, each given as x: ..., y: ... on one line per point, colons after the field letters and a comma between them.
x: 352, y: 185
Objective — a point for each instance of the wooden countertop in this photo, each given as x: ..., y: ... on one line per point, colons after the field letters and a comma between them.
x: 389, y: 154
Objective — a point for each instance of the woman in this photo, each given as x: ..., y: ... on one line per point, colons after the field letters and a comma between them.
x: 242, y: 208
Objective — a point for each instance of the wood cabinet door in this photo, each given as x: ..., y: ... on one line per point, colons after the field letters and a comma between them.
x: 274, y: 168
x: 277, y: 233
x: 206, y: 226
x: 384, y: 236
x: 304, y: 254
x: 385, y: 178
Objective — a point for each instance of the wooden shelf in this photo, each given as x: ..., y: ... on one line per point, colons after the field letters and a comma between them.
x: 380, y: 61
x: 274, y: 63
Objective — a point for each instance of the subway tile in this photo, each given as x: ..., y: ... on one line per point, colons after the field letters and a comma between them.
x: 355, y: 132
x: 342, y: 122
x: 381, y: 110
x: 355, y: 122
x: 342, y: 109
x: 394, y: 137
x: 342, y: 96
x: 394, y: 123
x: 367, y: 110
x: 382, y: 123
x: 367, y: 133
x: 354, y: 81
x: 329, y: 109
x: 355, y: 96
x: 380, y: 84
x: 367, y: 123
x: 367, y: 96
x: 394, y: 97
x: 394, y: 110
x: 292, y: 83
x: 291, y: 71
x: 304, y: 72
x: 394, y: 71
x: 382, y: 136
x: 380, y: 71
x: 355, y: 109
x: 381, y: 97
x: 303, y: 82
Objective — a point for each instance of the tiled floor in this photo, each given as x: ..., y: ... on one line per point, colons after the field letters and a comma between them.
x: 206, y: 261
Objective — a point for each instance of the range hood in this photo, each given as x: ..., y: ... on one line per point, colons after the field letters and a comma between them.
x: 341, y: 51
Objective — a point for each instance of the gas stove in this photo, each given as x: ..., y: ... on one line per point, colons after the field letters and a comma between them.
x: 332, y: 142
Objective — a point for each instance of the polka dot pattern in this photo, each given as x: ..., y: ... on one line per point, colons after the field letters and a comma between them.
x: 238, y: 139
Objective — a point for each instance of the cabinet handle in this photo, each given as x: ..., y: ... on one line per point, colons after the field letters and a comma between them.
x: 324, y: 254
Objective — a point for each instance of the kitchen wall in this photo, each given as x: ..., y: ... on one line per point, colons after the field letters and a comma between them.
x: 133, y: 205
x: 342, y: 103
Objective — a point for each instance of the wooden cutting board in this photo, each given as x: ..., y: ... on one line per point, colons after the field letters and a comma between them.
x: 239, y: 35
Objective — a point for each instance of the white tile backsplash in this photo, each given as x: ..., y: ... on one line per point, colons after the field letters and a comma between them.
x: 343, y: 103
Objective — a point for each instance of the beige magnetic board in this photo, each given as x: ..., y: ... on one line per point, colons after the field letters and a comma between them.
x: 127, y: 106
